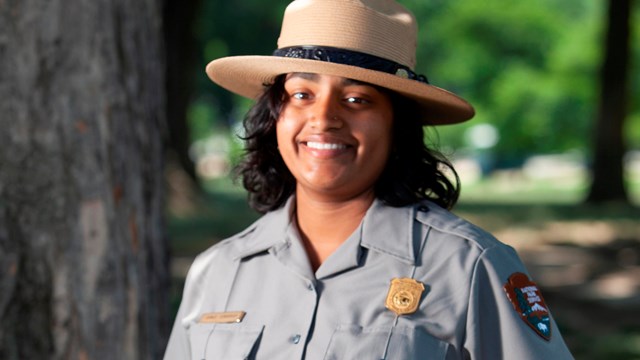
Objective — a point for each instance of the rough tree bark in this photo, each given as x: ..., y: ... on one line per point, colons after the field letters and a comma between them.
x: 83, y: 259
x: 609, y: 146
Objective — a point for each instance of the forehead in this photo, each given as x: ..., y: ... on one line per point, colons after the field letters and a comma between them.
x: 317, y: 77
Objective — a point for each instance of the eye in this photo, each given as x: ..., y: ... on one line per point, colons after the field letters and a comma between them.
x: 300, y: 95
x: 356, y: 100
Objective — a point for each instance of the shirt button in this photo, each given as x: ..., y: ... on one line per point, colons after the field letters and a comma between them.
x: 310, y: 287
x: 296, y: 338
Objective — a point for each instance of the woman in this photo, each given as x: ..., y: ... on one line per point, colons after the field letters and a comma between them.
x: 356, y: 256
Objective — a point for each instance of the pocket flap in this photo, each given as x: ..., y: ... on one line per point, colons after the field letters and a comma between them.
x: 356, y: 342
x: 224, y: 341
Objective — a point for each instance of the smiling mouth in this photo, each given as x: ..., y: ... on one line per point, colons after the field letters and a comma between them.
x: 325, y: 146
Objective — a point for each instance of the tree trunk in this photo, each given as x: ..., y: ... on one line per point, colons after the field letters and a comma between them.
x: 83, y: 254
x: 609, y: 149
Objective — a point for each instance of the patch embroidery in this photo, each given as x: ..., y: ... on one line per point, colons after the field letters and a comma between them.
x: 527, y: 300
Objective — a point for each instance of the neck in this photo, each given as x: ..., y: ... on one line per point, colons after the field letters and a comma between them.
x: 325, y: 224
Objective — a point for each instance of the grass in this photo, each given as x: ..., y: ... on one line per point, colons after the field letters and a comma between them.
x: 512, y: 187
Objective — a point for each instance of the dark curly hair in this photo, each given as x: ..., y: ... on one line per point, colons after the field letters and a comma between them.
x: 412, y: 173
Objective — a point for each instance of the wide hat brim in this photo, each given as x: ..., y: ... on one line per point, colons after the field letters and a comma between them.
x: 248, y: 75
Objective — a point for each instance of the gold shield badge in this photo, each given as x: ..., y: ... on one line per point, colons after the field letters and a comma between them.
x: 404, y: 296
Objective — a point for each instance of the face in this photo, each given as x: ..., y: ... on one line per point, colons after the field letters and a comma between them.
x: 334, y: 135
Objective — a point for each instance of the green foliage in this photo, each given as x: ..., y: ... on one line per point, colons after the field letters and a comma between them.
x: 200, y: 117
x: 529, y: 68
x: 632, y: 130
x: 633, y: 121
x: 228, y: 28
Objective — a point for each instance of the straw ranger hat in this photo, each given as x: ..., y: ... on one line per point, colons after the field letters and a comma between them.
x: 373, y: 41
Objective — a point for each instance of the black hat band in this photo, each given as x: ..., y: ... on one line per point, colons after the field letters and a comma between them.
x: 348, y: 57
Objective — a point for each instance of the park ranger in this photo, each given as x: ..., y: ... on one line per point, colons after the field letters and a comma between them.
x: 357, y: 255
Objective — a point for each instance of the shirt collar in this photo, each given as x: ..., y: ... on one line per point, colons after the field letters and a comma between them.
x: 389, y: 230
x: 268, y: 232
x: 385, y: 229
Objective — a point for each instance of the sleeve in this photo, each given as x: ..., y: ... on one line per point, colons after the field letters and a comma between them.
x: 207, y: 286
x: 507, y: 317
x: 178, y: 346
x: 201, y: 279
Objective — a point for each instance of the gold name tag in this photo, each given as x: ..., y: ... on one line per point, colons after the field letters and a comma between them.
x: 222, y: 317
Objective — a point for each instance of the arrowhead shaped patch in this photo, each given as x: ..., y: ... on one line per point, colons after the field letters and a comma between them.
x: 527, y: 300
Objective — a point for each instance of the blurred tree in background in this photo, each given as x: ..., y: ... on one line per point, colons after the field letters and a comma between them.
x: 181, y: 58
x: 610, y: 145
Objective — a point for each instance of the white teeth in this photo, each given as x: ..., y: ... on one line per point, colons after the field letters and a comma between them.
x: 325, y: 146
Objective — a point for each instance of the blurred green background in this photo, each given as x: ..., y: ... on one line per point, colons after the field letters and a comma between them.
x: 531, y: 71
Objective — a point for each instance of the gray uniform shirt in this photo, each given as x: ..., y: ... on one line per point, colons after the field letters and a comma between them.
x: 339, y: 311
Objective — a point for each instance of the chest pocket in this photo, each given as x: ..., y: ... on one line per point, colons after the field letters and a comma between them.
x: 224, y: 341
x: 356, y: 342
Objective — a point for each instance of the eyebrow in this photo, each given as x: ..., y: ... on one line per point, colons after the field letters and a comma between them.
x: 314, y: 77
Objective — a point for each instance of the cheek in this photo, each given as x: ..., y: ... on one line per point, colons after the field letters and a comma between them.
x: 380, y: 136
x: 380, y: 144
x: 285, y: 135
x: 279, y: 133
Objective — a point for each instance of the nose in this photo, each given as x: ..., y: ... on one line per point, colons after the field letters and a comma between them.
x: 325, y: 114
